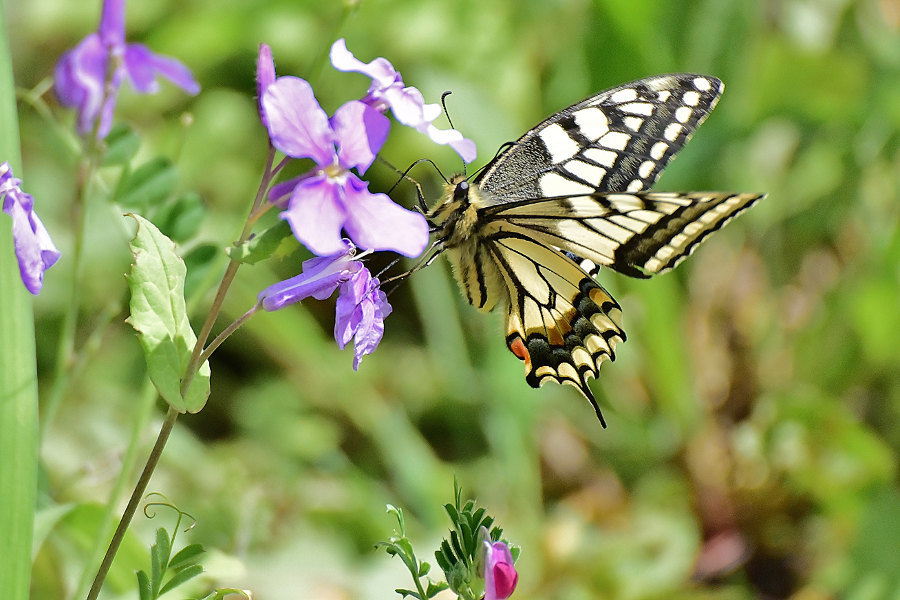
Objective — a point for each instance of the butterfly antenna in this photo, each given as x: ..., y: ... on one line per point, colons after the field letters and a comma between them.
x: 422, y: 206
x: 449, y: 120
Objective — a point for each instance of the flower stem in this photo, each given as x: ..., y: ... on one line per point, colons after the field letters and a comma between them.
x: 136, y: 495
x: 65, y: 354
x: 197, y: 357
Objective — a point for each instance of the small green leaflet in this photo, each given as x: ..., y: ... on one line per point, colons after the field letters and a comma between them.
x: 159, y: 315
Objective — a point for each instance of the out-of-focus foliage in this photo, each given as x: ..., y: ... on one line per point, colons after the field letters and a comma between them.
x: 753, y: 413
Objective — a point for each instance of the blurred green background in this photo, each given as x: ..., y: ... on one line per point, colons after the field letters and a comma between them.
x: 753, y: 413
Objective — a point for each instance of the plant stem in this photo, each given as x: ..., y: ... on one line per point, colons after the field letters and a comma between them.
x: 136, y: 495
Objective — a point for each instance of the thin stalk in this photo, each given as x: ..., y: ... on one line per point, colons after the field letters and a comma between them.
x: 134, y: 501
x: 197, y: 358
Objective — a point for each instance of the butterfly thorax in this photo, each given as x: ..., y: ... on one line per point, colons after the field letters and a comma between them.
x: 461, y: 233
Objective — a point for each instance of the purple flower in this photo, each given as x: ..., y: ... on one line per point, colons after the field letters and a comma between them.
x: 361, y: 310
x: 83, y: 73
x: 331, y: 198
x: 318, y: 279
x: 34, y: 248
x: 500, y: 576
x: 361, y: 305
x: 265, y: 76
x: 407, y: 103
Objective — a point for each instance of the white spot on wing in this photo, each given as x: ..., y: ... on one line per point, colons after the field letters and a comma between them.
x: 626, y: 95
x: 589, y: 173
x: 558, y: 143
x: 633, y: 123
x: 691, y: 98
x: 646, y: 168
x: 607, y: 158
x: 672, y: 131
x: 635, y: 186
x: 664, y: 95
x: 702, y: 84
x: 592, y: 122
x: 658, y: 150
x: 683, y: 113
x: 615, y: 140
x: 638, y: 108
x: 554, y: 184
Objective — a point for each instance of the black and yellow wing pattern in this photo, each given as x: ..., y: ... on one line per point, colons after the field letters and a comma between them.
x: 531, y: 230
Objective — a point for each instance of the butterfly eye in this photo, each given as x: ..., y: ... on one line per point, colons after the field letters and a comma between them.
x: 461, y: 192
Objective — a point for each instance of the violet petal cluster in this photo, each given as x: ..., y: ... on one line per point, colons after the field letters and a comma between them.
x: 34, y: 249
x: 361, y: 310
x: 88, y: 76
x: 406, y: 102
x: 332, y: 198
x: 500, y: 576
x: 361, y: 306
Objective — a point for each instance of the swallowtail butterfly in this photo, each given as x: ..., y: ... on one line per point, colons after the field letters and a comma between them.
x: 531, y: 230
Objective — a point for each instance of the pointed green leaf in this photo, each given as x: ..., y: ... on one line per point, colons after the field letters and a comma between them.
x: 144, y: 590
x: 202, y: 265
x: 159, y: 315
x: 122, y: 144
x: 159, y: 557
x: 180, y: 577
x: 406, y: 593
x: 454, y: 541
x: 262, y: 246
x: 186, y: 556
x: 147, y: 186
x: 180, y: 218
x: 434, y: 588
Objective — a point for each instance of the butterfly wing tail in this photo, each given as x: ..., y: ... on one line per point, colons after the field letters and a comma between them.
x: 567, y: 345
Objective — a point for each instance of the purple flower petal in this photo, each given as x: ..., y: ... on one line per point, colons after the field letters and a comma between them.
x: 80, y: 79
x: 380, y: 70
x: 112, y: 23
x: 265, y: 76
x: 359, y: 314
x: 34, y: 249
x: 319, y: 277
x: 297, y: 124
x: 500, y: 576
x: 463, y: 146
x: 143, y: 65
x: 316, y: 215
x: 375, y: 222
x: 360, y: 131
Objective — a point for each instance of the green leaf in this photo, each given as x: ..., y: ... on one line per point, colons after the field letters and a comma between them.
x: 201, y: 265
x: 159, y: 315
x: 181, y: 218
x: 424, y: 568
x: 406, y: 593
x: 454, y: 541
x: 145, y: 592
x: 122, y: 144
x: 262, y: 246
x: 147, y: 186
x: 159, y: 558
x: 180, y: 577
x: 186, y: 556
x: 434, y: 588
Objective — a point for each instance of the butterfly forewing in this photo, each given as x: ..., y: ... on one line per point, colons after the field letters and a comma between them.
x: 618, y: 140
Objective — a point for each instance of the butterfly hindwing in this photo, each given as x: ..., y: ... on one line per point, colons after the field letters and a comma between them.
x: 560, y: 322
x: 617, y: 140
